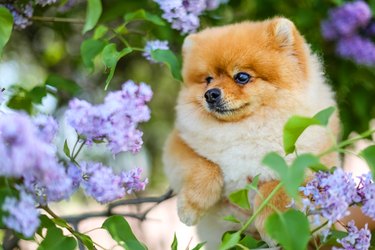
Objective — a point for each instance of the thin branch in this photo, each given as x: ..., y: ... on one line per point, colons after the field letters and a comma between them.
x: 75, y: 219
x: 166, y: 196
x: 57, y: 19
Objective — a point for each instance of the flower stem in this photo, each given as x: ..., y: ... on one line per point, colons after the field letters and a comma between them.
x: 57, y: 19
x: 79, y: 150
x: 319, y: 227
x: 261, y: 207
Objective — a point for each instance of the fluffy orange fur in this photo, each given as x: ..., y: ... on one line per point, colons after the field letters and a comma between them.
x: 213, y: 152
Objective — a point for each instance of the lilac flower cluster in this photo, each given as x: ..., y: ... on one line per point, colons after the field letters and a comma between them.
x: 101, y: 183
x: 26, y: 153
x: 154, y: 45
x: 356, y: 239
x: 22, y: 11
x: 330, y: 195
x: 22, y: 214
x: 115, y: 120
x: 184, y: 14
x: 350, y: 25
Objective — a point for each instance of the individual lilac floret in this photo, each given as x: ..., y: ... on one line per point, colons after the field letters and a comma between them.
x: 25, y: 154
x: 330, y: 195
x: 356, y: 239
x: 116, y: 120
x: 359, y: 49
x: 366, y: 189
x: 132, y: 180
x: 346, y: 19
x: 154, y: 45
x: 47, y: 127
x: 184, y: 14
x: 101, y: 183
x: 23, y: 216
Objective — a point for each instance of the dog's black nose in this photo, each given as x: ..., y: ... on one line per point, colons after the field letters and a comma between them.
x: 212, y: 95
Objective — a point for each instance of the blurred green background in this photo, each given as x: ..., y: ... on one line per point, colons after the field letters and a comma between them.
x: 49, y: 53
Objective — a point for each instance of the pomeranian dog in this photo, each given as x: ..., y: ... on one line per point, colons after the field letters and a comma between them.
x: 241, y: 84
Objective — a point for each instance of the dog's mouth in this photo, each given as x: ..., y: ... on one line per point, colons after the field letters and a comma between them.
x: 223, y: 108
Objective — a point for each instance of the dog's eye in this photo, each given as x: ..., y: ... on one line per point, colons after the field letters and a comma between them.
x: 209, y: 79
x: 242, y: 78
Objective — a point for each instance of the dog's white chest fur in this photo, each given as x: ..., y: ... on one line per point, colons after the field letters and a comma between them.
x: 237, y: 148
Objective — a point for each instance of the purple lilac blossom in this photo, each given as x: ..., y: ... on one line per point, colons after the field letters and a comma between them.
x: 184, y: 14
x: 21, y: 14
x: 154, y: 45
x: 356, y: 239
x: 330, y: 195
x: 366, y: 189
x: 132, y: 180
x: 101, y: 183
x: 23, y: 216
x: 86, y: 119
x: 24, y: 154
x: 346, y: 19
x: 115, y: 120
x: 47, y: 127
x: 359, y: 49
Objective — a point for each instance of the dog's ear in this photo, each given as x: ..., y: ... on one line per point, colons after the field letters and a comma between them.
x: 284, y: 31
x: 188, y: 44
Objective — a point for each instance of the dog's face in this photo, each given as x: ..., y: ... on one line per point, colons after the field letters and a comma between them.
x: 232, y: 71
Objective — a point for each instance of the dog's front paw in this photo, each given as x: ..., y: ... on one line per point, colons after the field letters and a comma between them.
x: 188, y: 213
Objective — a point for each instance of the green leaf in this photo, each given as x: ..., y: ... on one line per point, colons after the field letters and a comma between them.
x: 168, y: 58
x: 324, y: 115
x: 57, y: 241
x: 369, y: 155
x: 230, y: 240
x: 6, y: 21
x: 318, y: 167
x: 110, y: 57
x: 295, y: 126
x: 231, y: 218
x: 90, y: 48
x: 174, y: 245
x: 37, y: 94
x: 296, y: 173
x: 100, y: 31
x: 293, y: 129
x: 66, y: 148
x: 293, y: 176
x: 290, y: 229
x: 63, y: 84
x: 277, y: 163
x: 141, y: 14
x: 60, y: 222
x: 121, y: 232
x: 86, y: 240
x: 199, y: 246
x: 94, y: 10
x: 240, y: 198
x: 254, y: 183
x: 250, y: 242
x: 20, y: 101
